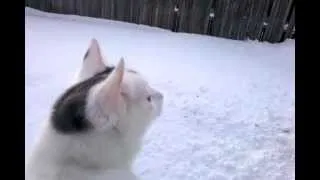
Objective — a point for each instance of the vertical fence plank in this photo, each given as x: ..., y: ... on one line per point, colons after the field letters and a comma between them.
x: 272, y: 20
x: 185, y: 15
x: 256, y: 18
x: 279, y: 25
x: 82, y: 7
x: 136, y: 5
x: 67, y: 6
x: 57, y: 6
x: 207, y: 18
x: 94, y: 9
x: 291, y: 24
x: 232, y: 23
x: 119, y: 10
x: 76, y: 7
x: 209, y: 26
x: 127, y: 11
x: 143, y: 12
x: 43, y: 5
x: 225, y: 8
x: 176, y: 17
x: 155, y: 19
x: 285, y: 19
x: 106, y: 9
x: 262, y: 19
x: 277, y: 31
x: 134, y: 8
x: 160, y: 13
x: 123, y: 10
x: 243, y: 20
x: 154, y: 12
x: 251, y: 19
x: 34, y: 3
x: 293, y: 34
x: 166, y: 13
x: 198, y: 17
x: 217, y: 13
x: 113, y: 9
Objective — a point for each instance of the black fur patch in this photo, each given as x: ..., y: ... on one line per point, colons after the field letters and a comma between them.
x: 86, y: 55
x: 68, y: 116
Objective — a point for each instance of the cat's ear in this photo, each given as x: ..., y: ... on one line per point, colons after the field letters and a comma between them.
x: 108, y: 97
x: 92, y: 61
x: 112, y: 85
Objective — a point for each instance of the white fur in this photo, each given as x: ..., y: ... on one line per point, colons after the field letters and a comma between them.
x: 92, y: 63
x: 119, y: 109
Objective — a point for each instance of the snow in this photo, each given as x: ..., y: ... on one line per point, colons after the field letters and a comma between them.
x: 229, y: 105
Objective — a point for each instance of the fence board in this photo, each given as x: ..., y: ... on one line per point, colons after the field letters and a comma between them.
x: 55, y: 6
x: 262, y: 22
x: 210, y: 18
x: 127, y: 11
x: 285, y: 20
x: 275, y: 23
x: 147, y: 12
x: 83, y: 7
x: 235, y: 19
x: 33, y: 3
x: 119, y: 10
x: 278, y: 27
x: 243, y: 18
x: 198, y: 18
x: 161, y: 13
x: 251, y: 20
x: 176, y: 17
x: 166, y: 13
x: 224, y: 18
x: 291, y: 25
x: 256, y: 22
x: 218, y: 11
x: 66, y: 6
x: 207, y: 17
x: 106, y: 11
x: 136, y: 4
x: 185, y: 9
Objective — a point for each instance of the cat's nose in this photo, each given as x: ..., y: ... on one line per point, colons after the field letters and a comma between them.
x: 159, y: 95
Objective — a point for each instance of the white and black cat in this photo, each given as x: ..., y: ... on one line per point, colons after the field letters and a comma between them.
x: 96, y: 126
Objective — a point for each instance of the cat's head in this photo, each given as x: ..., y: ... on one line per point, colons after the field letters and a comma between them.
x: 106, y: 97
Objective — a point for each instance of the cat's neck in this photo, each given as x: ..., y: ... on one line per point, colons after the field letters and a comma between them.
x: 133, y: 128
x: 93, y: 150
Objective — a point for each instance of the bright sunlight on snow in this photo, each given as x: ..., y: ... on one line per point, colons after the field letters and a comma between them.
x: 229, y: 105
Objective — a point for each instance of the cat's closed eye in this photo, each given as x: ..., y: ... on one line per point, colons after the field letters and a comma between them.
x: 149, y: 98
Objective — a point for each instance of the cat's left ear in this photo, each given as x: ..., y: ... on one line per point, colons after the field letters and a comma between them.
x: 92, y: 61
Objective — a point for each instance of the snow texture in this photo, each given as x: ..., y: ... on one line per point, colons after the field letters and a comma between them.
x: 229, y: 105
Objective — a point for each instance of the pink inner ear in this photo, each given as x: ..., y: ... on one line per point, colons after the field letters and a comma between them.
x: 95, y: 52
x: 110, y: 89
x: 110, y: 95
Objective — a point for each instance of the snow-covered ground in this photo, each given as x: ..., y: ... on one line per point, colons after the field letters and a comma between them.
x: 229, y: 105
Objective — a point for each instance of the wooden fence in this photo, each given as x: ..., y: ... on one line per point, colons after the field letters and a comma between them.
x: 263, y: 20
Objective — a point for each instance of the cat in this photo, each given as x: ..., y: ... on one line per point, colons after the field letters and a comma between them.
x: 96, y: 126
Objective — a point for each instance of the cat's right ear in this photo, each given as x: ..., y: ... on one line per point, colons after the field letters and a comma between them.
x: 92, y: 61
x: 107, y: 98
